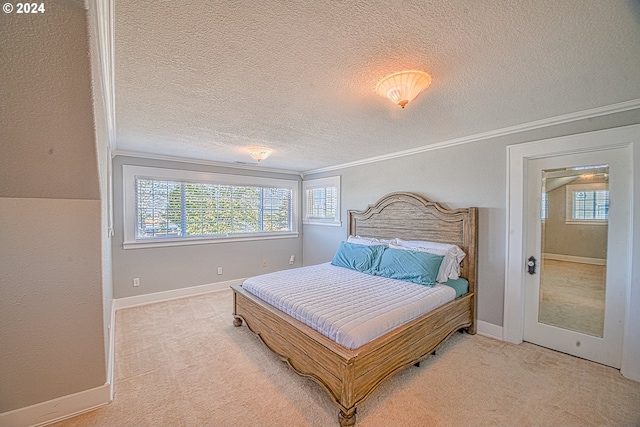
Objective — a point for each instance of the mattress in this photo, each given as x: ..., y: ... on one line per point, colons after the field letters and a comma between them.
x: 460, y: 285
x: 349, y: 307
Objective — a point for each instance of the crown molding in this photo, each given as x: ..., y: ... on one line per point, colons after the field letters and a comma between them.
x: 253, y: 167
x: 538, y: 124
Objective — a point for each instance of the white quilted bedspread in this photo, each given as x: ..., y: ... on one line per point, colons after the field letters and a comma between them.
x: 347, y: 306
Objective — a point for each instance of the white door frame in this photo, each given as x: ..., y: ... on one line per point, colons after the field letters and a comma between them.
x: 517, y: 155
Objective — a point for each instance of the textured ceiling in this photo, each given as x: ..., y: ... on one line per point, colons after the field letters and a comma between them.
x: 206, y: 79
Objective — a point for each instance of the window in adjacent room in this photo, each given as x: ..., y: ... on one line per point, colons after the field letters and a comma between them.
x: 168, y: 206
x: 588, y: 203
x: 321, y: 203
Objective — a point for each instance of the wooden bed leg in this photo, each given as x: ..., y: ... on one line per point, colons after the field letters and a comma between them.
x: 347, y: 420
x: 417, y: 364
x: 237, y: 321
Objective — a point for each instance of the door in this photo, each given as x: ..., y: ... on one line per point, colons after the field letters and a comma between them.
x: 577, y: 231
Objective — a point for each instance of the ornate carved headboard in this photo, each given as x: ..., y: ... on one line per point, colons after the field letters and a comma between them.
x: 409, y: 216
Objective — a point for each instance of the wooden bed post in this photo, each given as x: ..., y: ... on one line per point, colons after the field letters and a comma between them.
x: 348, y: 418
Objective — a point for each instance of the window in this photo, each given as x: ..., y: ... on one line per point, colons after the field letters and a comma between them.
x: 169, y: 207
x: 322, y: 201
x: 545, y: 206
x: 588, y: 203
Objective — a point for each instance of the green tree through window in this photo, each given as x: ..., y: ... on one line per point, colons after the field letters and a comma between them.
x: 191, y: 209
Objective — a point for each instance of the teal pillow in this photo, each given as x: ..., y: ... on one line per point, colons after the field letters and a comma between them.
x: 410, y: 266
x: 358, y: 257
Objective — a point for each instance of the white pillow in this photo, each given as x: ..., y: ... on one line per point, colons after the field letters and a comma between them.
x: 453, y: 255
x: 367, y: 241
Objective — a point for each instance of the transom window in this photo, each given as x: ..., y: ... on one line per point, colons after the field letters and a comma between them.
x: 169, y: 206
x: 322, y: 201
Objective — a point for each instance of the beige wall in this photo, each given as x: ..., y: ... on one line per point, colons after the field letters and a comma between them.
x: 51, y: 323
x: 45, y: 110
x: 578, y: 240
x: 50, y: 300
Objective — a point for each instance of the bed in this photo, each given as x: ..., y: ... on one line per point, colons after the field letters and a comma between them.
x: 349, y: 376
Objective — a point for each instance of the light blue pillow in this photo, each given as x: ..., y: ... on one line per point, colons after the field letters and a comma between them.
x: 358, y: 257
x: 410, y: 266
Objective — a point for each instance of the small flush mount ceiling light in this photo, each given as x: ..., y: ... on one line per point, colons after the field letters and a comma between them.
x: 404, y: 86
x: 259, y: 153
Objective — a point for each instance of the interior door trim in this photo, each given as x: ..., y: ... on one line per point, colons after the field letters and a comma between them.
x: 514, y: 296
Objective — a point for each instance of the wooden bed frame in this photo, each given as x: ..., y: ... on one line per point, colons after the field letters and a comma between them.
x: 350, y: 376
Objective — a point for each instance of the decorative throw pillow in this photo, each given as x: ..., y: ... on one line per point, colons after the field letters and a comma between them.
x: 453, y: 255
x: 410, y: 266
x: 363, y: 258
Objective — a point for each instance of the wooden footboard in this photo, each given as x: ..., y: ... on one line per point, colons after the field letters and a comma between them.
x: 349, y: 376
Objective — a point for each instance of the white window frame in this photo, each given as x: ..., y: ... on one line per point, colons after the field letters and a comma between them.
x: 311, y: 184
x: 544, y: 211
x: 131, y: 172
x: 570, y: 188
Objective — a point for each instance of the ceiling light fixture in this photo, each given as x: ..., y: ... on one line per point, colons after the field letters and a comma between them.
x: 404, y: 86
x: 259, y: 153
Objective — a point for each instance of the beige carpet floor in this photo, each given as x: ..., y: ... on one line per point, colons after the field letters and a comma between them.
x: 573, y: 296
x: 183, y: 363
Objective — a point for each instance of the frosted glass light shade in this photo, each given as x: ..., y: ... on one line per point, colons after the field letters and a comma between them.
x: 259, y: 153
x: 404, y: 86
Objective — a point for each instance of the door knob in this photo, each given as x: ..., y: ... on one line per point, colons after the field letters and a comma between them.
x: 531, y: 265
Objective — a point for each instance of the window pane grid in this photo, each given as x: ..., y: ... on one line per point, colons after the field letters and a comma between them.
x: 321, y: 203
x: 189, y: 209
x: 590, y: 205
x: 276, y: 209
x: 155, y: 214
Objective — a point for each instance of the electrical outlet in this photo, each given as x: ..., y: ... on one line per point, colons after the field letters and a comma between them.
x: 292, y: 259
x: 264, y: 262
x: 136, y: 281
x: 219, y: 270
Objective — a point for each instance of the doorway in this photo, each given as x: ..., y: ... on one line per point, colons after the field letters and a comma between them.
x: 518, y: 157
x: 575, y: 294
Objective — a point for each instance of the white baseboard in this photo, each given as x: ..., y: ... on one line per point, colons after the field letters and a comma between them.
x: 489, y: 330
x: 58, y: 409
x: 630, y: 372
x: 571, y: 258
x: 138, y: 300
x: 68, y: 406
x: 71, y: 405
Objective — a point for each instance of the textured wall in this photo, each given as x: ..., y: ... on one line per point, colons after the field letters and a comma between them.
x: 465, y: 175
x: 50, y: 300
x: 173, y: 267
x: 51, y: 325
x: 46, y: 115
